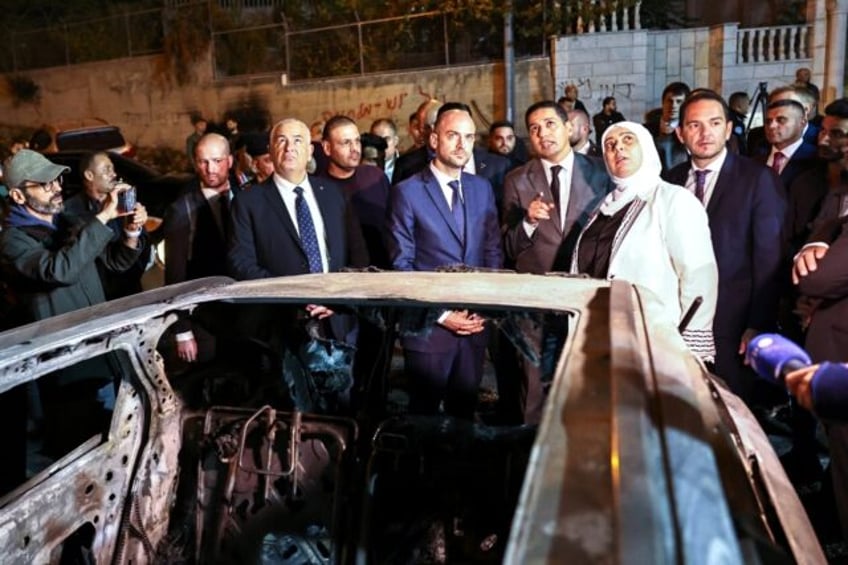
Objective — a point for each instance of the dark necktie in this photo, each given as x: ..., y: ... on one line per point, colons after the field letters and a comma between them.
x: 224, y: 210
x: 308, y: 239
x: 700, y: 184
x: 777, y: 162
x: 458, y: 209
x: 555, y: 186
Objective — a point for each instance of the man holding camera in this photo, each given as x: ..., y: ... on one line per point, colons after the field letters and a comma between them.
x: 98, y: 180
x: 48, y: 264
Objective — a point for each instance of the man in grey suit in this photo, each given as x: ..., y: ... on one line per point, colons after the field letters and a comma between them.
x: 547, y: 202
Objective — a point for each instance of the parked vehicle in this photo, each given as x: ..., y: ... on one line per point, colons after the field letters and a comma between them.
x: 88, y: 134
x: 641, y: 457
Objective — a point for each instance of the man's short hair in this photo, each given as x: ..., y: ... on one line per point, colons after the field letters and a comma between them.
x: 385, y: 122
x: 336, y: 121
x: 704, y: 94
x: 736, y: 97
x: 87, y: 162
x: 787, y: 103
x: 563, y: 115
x: 676, y: 89
x: 838, y: 109
x: 800, y: 91
x: 581, y: 111
x: 450, y: 106
x: 501, y: 124
x: 607, y: 100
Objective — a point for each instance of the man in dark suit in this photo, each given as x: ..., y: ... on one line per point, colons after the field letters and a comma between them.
x: 821, y: 271
x: 443, y: 216
x: 266, y: 238
x: 195, y: 228
x: 746, y: 205
x: 543, y: 213
x: 758, y: 144
x: 789, y: 154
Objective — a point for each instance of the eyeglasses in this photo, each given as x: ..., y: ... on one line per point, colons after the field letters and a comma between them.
x: 54, y: 185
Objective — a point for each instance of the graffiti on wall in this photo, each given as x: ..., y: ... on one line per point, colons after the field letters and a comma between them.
x: 371, y: 110
x: 600, y: 90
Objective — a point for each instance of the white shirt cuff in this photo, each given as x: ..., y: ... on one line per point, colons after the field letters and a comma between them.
x: 185, y: 336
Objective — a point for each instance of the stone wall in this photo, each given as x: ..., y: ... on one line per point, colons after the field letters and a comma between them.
x: 127, y: 93
x: 635, y: 66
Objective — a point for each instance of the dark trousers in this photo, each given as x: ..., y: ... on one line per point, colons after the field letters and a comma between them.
x: 452, y: 376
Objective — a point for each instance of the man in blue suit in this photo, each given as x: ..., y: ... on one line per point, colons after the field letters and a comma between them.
x: 746, y: 205
x: 442, y: 216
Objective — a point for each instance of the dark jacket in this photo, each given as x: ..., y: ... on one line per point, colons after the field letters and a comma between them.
x: 52, y: 270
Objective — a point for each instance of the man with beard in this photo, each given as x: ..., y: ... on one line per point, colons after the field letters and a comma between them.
x: 580, y: 132
x: 364, y: 187
x: 504, y: 142
x: 196, y: 227
x: 820, y: 271
x: 746, y: 206
x: 47, y: 260
x: 444, y: 216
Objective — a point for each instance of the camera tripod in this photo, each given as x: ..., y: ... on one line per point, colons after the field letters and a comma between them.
x: 759, y: 101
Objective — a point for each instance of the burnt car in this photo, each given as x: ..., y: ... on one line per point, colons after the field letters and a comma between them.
x: 642, y: 456
x: 156, y: 190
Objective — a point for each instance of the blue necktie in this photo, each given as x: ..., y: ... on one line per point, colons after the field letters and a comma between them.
x: 458, y: 209
x: 308, y: 239
x: 700, y: 183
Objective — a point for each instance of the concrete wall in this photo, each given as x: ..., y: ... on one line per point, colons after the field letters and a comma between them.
x: 129, y: 93
x: 635, y: 66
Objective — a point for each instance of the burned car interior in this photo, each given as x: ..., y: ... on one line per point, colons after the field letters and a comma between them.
x: 283, y: 444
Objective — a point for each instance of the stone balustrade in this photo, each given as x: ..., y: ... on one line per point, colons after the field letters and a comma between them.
x: 771, y: 44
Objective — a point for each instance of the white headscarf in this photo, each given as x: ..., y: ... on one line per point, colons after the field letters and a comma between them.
x: 639, y: 183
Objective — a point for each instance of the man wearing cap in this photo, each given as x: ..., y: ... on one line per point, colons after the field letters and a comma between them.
x: 48, y: 258
x: 47, y: 261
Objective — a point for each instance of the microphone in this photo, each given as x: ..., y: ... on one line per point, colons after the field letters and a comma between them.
x: 772, y: 356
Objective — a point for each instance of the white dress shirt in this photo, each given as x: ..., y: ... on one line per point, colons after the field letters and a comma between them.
x: 286, y: 191
x: 565, y: 175
x: 709, y: 183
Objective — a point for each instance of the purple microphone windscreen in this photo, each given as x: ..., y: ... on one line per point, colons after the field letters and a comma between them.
x: 773, y: 356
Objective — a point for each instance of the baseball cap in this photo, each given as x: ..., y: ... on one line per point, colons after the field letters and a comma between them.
x: 29, y: 165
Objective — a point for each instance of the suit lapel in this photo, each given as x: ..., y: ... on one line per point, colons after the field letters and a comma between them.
x: 538, y: 183
x: 276, y: 204
x: 725, y: 177
x: 434, y: 192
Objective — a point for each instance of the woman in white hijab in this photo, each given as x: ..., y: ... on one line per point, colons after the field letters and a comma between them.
x: 652, y: 234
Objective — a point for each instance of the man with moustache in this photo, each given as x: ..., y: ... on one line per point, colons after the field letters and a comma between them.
x: 48, y: 262
x: 504, y: 142
x: 444, y: 216
x: 547, y: 203
x: 365, y: 187
x: 580, y: 132
x: 746, y: 206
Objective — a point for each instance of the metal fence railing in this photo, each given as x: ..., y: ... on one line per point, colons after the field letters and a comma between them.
x: 246, y: 40
x: 112, y: 37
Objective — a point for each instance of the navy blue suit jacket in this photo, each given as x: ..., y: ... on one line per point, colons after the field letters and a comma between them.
x: 747, y: 214
x: 264, y: 241
x: 423, y: 236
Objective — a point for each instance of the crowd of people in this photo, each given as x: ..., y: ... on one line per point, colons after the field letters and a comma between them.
x: 688, y: 204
